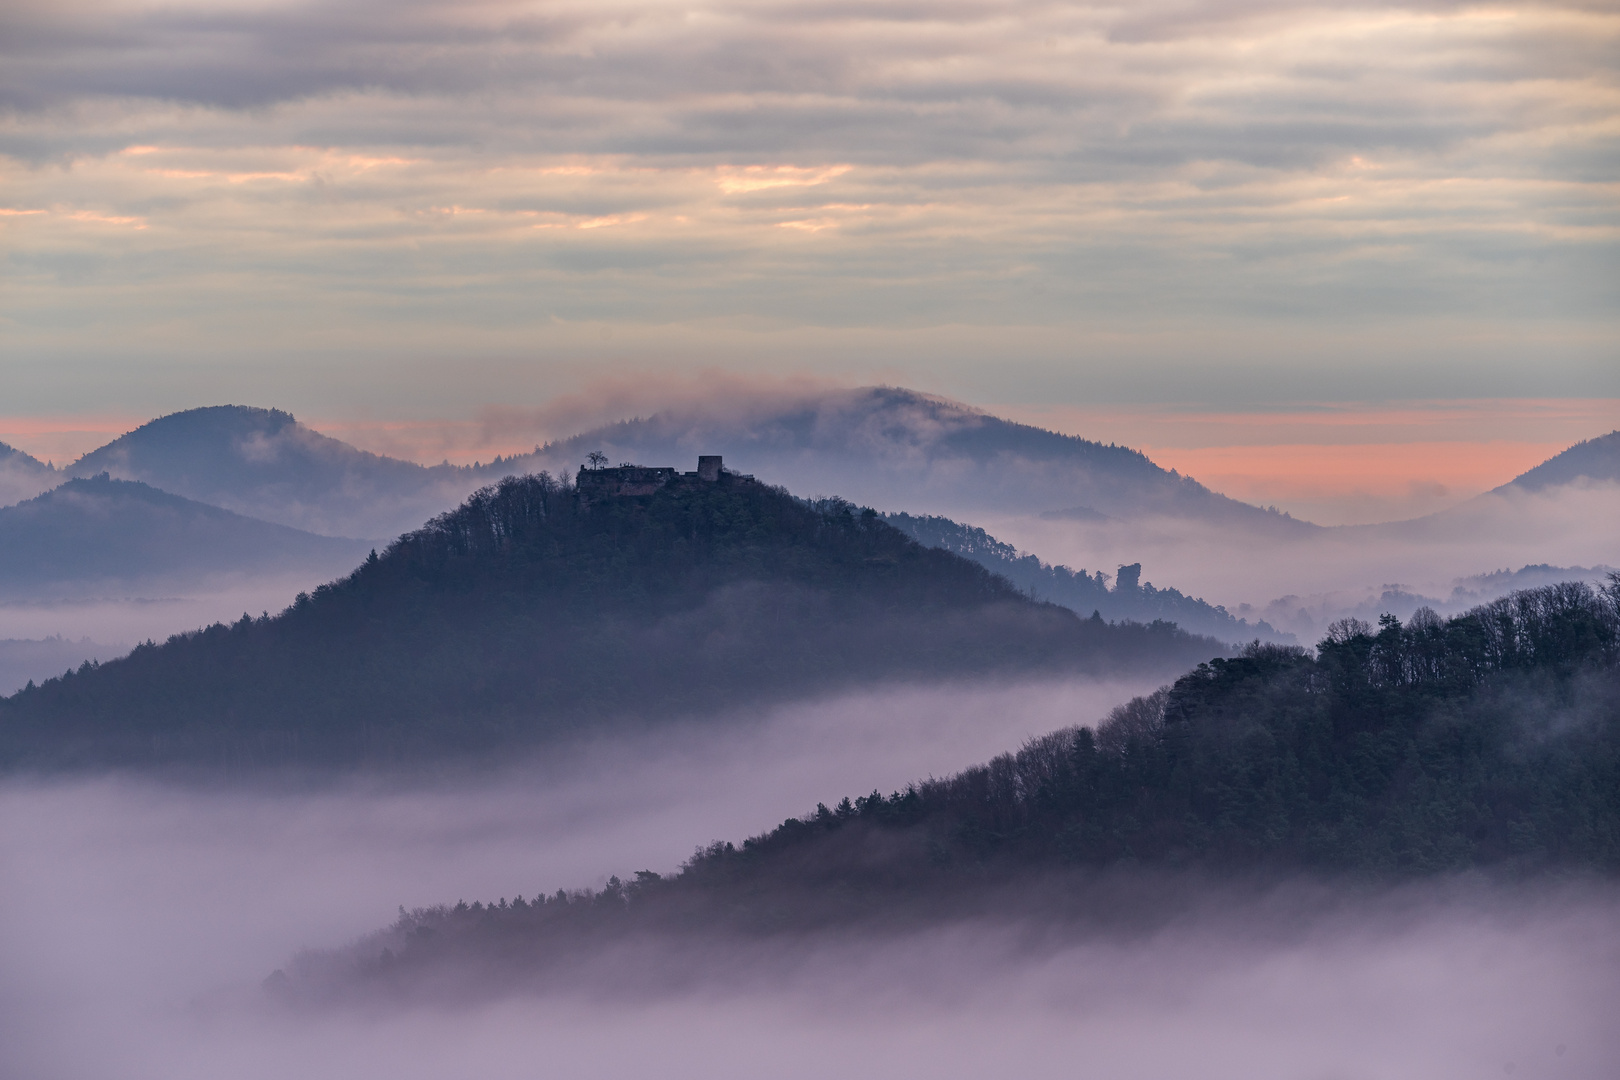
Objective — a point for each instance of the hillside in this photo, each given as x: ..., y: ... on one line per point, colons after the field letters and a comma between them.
x: 99, y: 533
x: 892, y: 447
x: 1552, y: 488
x: 1491, y: 740
x: 265, y: 464
x: 1589, y: 459
x: 539, y: 608
x: 1130, y: 598
x: 22, y: 476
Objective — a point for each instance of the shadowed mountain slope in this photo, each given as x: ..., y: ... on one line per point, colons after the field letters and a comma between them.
x: 1491, y: 740
x: 22, y: 476
x: 535, y: 610
x: 100, y: 533
x: 1589, y: 459
x: 892, y: 447
x: 264, y: 463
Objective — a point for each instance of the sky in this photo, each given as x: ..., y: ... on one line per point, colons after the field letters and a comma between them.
x: 1215, y: 230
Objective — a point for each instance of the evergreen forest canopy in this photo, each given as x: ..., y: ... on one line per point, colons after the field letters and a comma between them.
x: 535, y: 610
x: 1491, y: 740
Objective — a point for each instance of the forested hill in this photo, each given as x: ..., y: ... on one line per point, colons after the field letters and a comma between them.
x: 264, y: 464
x: 98, y: 533
x: 1489, y: 740
x: 1130, y: 598
x: 532, y: 611
x: 1590, y: 459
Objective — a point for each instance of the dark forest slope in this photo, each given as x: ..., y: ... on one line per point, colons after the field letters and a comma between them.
x: 1489, y: 740
x: 100, y: 532
x: 531, y: 611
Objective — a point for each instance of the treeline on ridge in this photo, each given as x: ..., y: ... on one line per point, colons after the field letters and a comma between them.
x: 1131, y: 599
x: 1490, y: 740
x: 533, y: 609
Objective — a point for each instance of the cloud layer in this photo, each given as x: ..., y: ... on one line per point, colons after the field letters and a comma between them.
x: 499, y: 177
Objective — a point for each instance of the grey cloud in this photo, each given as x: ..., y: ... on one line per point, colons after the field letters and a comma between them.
x: 814, y: 77
x: 1033, y: 164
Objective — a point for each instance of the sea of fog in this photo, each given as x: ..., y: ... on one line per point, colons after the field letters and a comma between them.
x: 137, y: 920
x: 1301, y: 583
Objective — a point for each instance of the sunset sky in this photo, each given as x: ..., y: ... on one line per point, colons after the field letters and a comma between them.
x: 1243, y: 236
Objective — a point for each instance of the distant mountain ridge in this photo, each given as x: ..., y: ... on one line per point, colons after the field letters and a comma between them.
x: 97, y: 532
x: 1589, y: 459
x: 22, y: 476
x: 264, y: 463
x: 11, y: 457
x: 882, y: 446
x: 1130, y: 598
x: 538, y: 609
x: 905, y: 450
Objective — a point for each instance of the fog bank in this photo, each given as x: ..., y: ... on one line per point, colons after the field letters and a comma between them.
x: 1432, y: 986
x: 147, y: 915
x: 1300, y: 584
x: 121, y: 900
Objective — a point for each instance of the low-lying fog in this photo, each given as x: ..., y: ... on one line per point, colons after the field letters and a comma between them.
x: 136, y: 919
x: 1337, y: 571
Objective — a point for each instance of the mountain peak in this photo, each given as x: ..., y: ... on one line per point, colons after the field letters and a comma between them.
x: 906, y: 450
x: 264, y: 463
x: 95, y: 530
x: 536, y: 609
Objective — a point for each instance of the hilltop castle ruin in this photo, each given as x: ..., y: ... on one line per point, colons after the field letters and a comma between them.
x: 624, y: 480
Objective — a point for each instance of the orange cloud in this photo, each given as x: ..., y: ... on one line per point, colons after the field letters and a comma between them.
x: 735, y: 181
x: 1304, y: 470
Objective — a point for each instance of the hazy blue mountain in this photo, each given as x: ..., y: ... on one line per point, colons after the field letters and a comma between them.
x: 540, y: 609
x: 91, y: 534
x: 23, y: 476
x: 1589, y: 459
x: 1129, y: 597
x: 903, y: 450
x: 880, y: 446
x: 1480, y: 588
x: 1504, y: 508
x: 265, y: 464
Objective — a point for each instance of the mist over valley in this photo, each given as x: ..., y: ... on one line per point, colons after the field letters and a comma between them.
x: 430, y: 801
x: 215, y: 889
x: 797, y: 540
